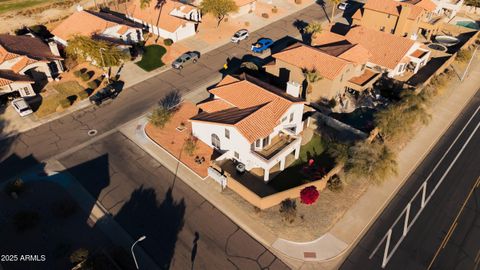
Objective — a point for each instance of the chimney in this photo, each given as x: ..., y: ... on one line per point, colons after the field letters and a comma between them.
x: 293, y: 88
x: 54, y: 48
x: 79, y: 8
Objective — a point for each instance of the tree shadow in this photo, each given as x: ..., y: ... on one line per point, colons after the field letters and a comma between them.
x: 194, y: 249
x: 160, y: 222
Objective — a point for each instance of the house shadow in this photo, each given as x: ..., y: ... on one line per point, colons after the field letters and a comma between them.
x: 161, y: 222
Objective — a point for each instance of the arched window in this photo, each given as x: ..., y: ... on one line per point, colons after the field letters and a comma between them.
x: 215, y: 141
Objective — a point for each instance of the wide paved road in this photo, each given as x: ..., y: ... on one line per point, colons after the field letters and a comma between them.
x: 69, y: 131
x: 136, y: 188
x: 446, y: 235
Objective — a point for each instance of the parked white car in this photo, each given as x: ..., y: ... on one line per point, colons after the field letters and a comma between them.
x: 240, y: 35
x: 343, y: 6
x: 21, y: 106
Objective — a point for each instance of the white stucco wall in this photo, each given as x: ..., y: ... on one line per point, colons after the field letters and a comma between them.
x: 25, y: 89
x: 185, y: 31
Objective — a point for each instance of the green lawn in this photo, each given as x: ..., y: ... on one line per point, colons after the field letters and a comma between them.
x: 50, y: 103
x: 152, y: 57
x: 11, y: 5
x: 294, y: 174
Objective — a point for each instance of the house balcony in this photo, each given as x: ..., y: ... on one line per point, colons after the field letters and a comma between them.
x: 364, y: 81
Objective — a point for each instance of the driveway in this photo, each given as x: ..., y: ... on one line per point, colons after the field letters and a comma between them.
x: 183, y: 230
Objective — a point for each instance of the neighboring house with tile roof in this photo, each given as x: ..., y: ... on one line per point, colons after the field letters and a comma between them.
x: 27, y: 59
x: 100, y: 25
x: 407, y: 18
x: 173, y: 20
x: 336, y: 63
x: 448, y: 8
x: 252, y: 122
x: 389, y: 53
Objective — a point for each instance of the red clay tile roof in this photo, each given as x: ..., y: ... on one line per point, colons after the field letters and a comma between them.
x: 31, y: 47
x: 88, y: 23
x: 387, y: 50
x: 20, y: 64
x: 257, y: 110
x: 8, y: 76
x: 303, y: 56
x: 364, y: 78
x: 384, y: 6
x: 214, y: 105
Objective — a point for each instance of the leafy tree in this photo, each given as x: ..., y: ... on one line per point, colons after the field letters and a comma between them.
x: 102, y: 53
x: 160, y: 117
x: 397, y: 121
x: 144, y: 3
x: 218, y: 8
x: 313, y: 28
x: 473, y: 3
x: 190, y: 145
x: 339, y: 152
x: 249, y: 65
x: 371, y: 161
x: 464, y: 55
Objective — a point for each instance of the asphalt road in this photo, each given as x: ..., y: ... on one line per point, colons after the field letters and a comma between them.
x: 446, y: 235
x: 184, y: 231
x: 69, y: 131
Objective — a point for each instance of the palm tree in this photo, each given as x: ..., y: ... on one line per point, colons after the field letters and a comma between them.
x: 311, y: 76
x: 334, y: 6
x: 159, y: 6
x: 313, y: 28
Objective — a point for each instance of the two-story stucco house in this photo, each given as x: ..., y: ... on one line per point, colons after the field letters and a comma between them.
x: 171, y: 20
x: 25, y: 60
x: 337, y: 64
x: 252, y: 122
x: 402, y: 18
x: 98, y: 25
x: 390, y: 54
x: 449, y: 8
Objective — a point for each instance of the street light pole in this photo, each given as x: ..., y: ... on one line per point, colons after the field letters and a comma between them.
x: 131, y: 249
x: 469, y: 63
x: 103, y: 64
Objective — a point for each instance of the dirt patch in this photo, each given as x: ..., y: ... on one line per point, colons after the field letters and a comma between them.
x: 312, y: 220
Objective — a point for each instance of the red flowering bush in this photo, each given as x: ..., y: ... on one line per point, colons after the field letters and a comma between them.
x: 309, y: 195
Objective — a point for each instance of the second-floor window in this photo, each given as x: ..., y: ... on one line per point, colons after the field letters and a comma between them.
x: 227, y: 133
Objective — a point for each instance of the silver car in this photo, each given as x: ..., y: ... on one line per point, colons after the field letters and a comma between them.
x: 185, y: 58
x: 21, y: 106
x: 240, y: 35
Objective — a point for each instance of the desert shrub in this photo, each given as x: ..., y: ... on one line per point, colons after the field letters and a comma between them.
x: 288, y: 210
x: 335, y: 184
x: 160, y: 117
x: 85, y: 76
x: 265, y: 15
x: 274, y: 9
x: 226, y: 18
x: 247, y: 24
x: 190, y: 145
x: 464, y: 55
x: 77, y: 73
x: 168, y: 42
x: 17, y: 186
x: 332, y: 103
x: 249, y: 65
x: 64, y: 208
x: 25, y: 220
x: 65, y: 103
x: 70, y: 63
x: 298, y: 2
x: 373, y: 162
x: 309, y: 195
x: 171, y: 100
x: 83, y: 94
x: 93, y: 84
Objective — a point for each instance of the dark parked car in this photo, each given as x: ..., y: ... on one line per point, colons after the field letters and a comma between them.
x: 185, y: 58
x: 110, y: 91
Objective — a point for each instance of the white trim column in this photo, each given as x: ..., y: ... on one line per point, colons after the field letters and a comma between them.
x: 266, y: 174
x: 282, y: 164
x: 297, y: 152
